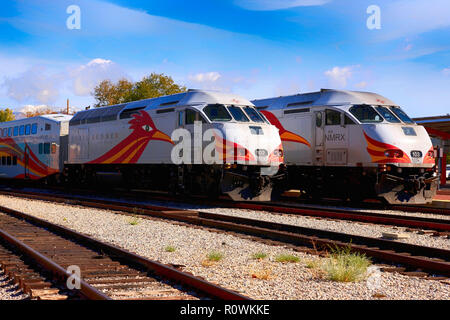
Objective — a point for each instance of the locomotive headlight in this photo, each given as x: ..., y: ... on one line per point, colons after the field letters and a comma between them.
x: 278, y: 153
x: 394, y: 153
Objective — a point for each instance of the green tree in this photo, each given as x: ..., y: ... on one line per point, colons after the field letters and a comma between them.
x: 6, y: 115
x: 107, y: 93
x: 153, y: 86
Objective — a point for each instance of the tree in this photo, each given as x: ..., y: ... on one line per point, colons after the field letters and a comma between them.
x: 153, y: 86
x: 38, y: 112
x: 108, y: 93
x: 7, y: 115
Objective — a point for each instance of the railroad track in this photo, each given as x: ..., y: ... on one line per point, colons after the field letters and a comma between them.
x: 414, y: 259
x: 441, y: 226
x: 39, y: 255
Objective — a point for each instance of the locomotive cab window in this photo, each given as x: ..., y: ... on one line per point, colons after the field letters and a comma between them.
x: 319, y: 119
x: 192, y: 116
x: 217, y: 112
x: 365, y: 114
x: 253, y: 114
x: 333, y: 118
x: 48, y: 127
x: 401, y: 114
x: 348, y: 120
x: 387, y: 114
x: 238, y: 114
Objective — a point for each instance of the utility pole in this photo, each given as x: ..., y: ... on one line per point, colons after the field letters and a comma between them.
x: 67, y: 106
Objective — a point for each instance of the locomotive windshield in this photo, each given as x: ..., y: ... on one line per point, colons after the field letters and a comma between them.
x: 365, y: 114
x: 401, y: 114
x: 238, y: 114
x: 253, y: 114
x: 217, y: 112
x: 387, y: 114
x: 222, y: 113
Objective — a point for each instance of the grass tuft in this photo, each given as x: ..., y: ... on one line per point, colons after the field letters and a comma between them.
x: 215, y: 256
x: 170, y: 249
x: 259, y: 255
x: 134, y: 221
x: 346, y: 266
x: 287, y: 258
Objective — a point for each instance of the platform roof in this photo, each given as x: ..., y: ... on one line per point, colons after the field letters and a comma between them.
x: 437, y: 126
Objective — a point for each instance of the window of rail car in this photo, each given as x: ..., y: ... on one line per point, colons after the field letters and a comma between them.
x: 217, y: 112
x: 48, y: 127
x: 10, y: 132
x: 14, y: 161
x: 34, y: 128
x: 28, y: 129
x: 332, y: 117
x: 3, y: 160
x: 387, y: 114
x: 401, y: 114
x: 253, y: 114
x: 365, y: 113
x: 238, y: 114
x: 21, y: 130
x: 192, y: 115
x: 47, y: 148
x: 128, y: 113
x: 16, y: 131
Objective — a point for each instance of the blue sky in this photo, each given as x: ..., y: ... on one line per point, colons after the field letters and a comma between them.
x: 256, y: 48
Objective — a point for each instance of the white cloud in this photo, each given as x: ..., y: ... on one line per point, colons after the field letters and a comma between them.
x: 268, y: 5
x: 339, y: 76
x: 39, y: 85
x: 34, y: 108
x: 205, y: 77
x: 33, y: 85
x: 86, y: 77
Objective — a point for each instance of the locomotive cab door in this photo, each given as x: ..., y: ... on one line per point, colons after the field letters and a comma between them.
x: 194, y: 122
x: 335, y: 138
x: 318, y: 138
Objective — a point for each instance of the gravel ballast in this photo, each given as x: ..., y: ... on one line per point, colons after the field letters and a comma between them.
x: 237, y: 269
x: 9, y: 290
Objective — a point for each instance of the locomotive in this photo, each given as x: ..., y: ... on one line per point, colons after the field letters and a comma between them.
x: 196, y: 142
x: 355, y: 145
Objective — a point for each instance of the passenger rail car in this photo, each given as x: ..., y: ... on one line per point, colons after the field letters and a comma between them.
x: 353, y: 144
x: 34, y: 148
x: 139, y: 144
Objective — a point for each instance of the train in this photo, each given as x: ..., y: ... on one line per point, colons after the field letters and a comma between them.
x: 352, y: 145
x: 196, y: 142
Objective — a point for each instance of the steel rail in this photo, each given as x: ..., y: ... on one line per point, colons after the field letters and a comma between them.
x: 427, y: 258
x: 210, y: 289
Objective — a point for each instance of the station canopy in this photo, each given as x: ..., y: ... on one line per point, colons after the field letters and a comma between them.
x: 438, y: 126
